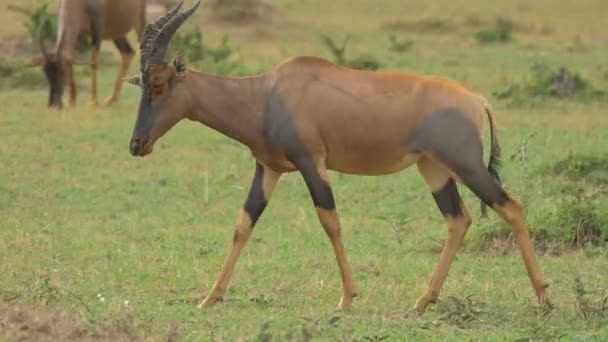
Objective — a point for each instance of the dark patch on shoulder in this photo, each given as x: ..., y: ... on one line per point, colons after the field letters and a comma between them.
x: 279, y: 128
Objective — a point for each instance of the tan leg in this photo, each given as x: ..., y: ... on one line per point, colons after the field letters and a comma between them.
x: 512, y: 213
x: 458, y: 221
x: 331, y: 223
x: 261, y: 188
x: 317, y: 181
x: 72, y: 84
x: 124, y: 67
x: 94, y: 67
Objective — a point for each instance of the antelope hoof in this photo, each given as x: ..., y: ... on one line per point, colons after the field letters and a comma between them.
x: 110, y: 100
x: 423, y: 302
x: 346, y: 302
x: 209, y: 301
x: 543, y: 296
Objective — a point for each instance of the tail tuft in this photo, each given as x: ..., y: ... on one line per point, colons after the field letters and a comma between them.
x: 494, y: 163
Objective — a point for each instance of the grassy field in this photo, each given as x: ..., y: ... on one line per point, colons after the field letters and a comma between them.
x: 97, y: 244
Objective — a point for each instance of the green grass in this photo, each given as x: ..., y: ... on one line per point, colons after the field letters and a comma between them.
x: 81, y: 219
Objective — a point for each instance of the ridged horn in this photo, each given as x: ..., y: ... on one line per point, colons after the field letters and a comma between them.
x: 151, y: 31
x: 160, y: 43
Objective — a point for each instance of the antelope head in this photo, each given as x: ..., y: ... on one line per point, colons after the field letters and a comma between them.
x: 54, y: 67
x: 163, y: 100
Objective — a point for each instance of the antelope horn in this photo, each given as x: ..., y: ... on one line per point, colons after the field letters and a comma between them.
x: 151, y: 31
x: 41, y: 45
x: 161, y: 41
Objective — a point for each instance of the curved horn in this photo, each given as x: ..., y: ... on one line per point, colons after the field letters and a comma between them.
x: 41, y: 45
x: 161, y: 42
x: 151, y: 31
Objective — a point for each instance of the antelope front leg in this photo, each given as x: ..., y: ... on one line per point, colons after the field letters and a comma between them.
x: 72, y: 83
x: 260, y: 190
x: 317, y: 182
x: 126, y: 54
x: 94, y: 66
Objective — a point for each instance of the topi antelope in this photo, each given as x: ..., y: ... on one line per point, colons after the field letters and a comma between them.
x: 101, y: 20
x: 311, y: 116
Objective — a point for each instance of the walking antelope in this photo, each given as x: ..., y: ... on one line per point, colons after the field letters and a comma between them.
x: 101, y: 20
x: 311, y: 116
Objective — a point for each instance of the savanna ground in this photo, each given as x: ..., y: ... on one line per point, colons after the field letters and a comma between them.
x: 96, y: 244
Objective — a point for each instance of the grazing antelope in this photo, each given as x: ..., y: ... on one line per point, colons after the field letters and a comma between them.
x: 311, y: 116
x: 101, y: 20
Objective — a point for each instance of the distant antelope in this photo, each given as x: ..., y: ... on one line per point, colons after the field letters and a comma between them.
x: 309, y: 115
x: 101, y: 20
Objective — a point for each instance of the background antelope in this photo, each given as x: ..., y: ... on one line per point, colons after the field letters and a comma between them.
x: 101, y: 20
x: 311, y: 116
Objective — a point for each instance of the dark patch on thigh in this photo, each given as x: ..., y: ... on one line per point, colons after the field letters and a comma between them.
x: 455, y: 141
x: 256, y: 199
x: 123, y: 46
x: 448, y: 200
x: 449, y: 136
x: 485, y: 187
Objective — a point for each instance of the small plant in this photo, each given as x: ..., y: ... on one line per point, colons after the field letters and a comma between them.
x: 459, y: 312
x: 14, y: 74
x: 190, y: 43
x: 500, y: 33
x: 242, y: 10
x: 594, y: 169
x: 547, y: 82
x: 40, y: 21
x: 587, y: 308
x: 574, y: 222
x: 40, y: 24
x: 209, y: 58
x: 397, y: 45
x: 364, y: 61
x: 221, y: 52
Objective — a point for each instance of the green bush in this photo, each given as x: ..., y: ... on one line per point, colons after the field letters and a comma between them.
x: 213, y: 59
x: 575, y: 222
x: 397, y: 45
x: 500, y: 33
x: 15, y: 74
x: 40, y: 21
x: 594, y: 169
x: 188, y: 42
x: 363, y: 61
x: 547, y: 82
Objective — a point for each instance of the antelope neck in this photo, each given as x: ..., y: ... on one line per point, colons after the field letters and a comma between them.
x: 233, y: 106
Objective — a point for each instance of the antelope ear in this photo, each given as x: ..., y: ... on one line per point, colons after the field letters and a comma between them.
x: 135, y: 80
x: 179, y: 63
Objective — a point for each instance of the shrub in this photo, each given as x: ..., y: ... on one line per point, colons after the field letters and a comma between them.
x: 15, y: 74
x: 500, y: 33
x: 399, y: 46
x: 363, y: 61
x: 209, y: 58
x: 547, y: 82
x: 40, y: 21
